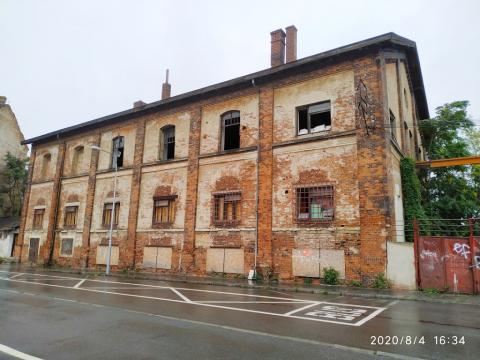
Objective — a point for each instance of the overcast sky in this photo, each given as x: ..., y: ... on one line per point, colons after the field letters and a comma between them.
x: 65, y: 62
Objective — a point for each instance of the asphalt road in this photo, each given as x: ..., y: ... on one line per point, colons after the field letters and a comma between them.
x: 57, y: 316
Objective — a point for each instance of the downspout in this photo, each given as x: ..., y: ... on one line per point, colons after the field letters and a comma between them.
x: 257, y: 197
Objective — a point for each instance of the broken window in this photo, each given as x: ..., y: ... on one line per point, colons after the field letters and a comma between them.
x: 70, y: 219
x: 231, y: 130
x: 227, y: 209
x: 163, y: 209
x: 314, y: 118
x: 315, y: 203
x: 107, y: 214
x: 66, y: 248
x: 47, y: 159
x: 117, y: 152
x: 38, y: 218
x: 392, y: 125
x: 168, y: 139
x: 77, y: 159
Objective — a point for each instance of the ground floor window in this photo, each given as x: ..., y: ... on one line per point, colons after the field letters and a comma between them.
x: 315, y: 203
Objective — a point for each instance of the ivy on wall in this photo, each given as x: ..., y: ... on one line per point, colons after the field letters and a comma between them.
x: 412, y: 202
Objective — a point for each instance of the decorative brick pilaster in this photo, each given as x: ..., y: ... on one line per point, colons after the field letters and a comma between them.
x: 187, y: 256
x: 18, y: 252
x: 52, y: 215
x: 129, y: 256
x: 87, y: 223
x: 265, y: 175
x: 372, y: 169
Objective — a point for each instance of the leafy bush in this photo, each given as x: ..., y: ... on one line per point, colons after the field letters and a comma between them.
x: 307, y: 281
x: 355, y: 283
x: 330, y: 276
x: 381, y: 282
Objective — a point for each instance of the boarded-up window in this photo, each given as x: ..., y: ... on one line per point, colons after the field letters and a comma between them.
x: 315, y: 203
x: 38, y: 218
x: 70, y: 216
x: 163, y: 210
x: 107, y: 214
x: 157, y: 257
x: 227, y: 208
x: 67, y: 247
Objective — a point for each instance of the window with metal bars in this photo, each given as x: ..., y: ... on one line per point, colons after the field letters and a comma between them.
x: 38, y: 218
x: 168, y: 138
x: 107, y: 214
x: 227, y: 209
x: 163, y: 210
x: 315, y: 203
x: 70, y: 219
x: 231, y: 130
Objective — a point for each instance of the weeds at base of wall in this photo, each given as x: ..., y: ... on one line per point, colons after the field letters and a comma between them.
x: 381, y: 282
x: 355, y: 283
x: 330, y: 276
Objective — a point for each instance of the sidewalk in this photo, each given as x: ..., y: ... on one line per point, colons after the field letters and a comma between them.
x: 446, y: 298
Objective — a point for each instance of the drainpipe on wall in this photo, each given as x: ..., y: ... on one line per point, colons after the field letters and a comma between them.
x: 257, y: 198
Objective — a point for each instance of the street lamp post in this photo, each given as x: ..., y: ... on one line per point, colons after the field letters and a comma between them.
x: 112, y: 214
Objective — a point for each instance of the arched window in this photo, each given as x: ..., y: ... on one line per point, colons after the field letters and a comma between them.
x: 230, y: 130
x: 77, y: 159
x: 47, y: 159
x: 117, y: 151
x: 167, y: 142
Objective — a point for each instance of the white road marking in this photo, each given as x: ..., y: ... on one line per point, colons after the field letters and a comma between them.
x: 14, y: 276
x: 302, y: 308
x: 181, y: 295
x: 250, y: 302
x: 199, y: 303
x: 77, y: 285
x: 391, y: 303
x: 15, y: 353
x: 246, y: 331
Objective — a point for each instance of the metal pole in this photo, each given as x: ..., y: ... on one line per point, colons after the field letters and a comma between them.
x: 112, y: 217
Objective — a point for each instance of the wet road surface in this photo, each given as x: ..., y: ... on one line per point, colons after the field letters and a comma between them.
x: 56, y: 316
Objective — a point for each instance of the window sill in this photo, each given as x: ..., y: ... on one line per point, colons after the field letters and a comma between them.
x: 162, y: 225
x: 228, y: 152
x: 314, y: 223
x: 226, y: 224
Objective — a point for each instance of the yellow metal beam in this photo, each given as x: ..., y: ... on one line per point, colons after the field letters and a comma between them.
x: 469, y: 160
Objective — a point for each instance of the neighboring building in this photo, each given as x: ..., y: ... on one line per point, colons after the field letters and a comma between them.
x: 9, y: 227
x: 300, y: 160
x: 10, y: 141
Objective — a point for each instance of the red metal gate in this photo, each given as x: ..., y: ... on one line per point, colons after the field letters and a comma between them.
x: 446, y: 262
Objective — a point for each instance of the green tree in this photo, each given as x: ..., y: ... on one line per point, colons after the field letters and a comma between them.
x: 13, y: 182
x: 450, y: 192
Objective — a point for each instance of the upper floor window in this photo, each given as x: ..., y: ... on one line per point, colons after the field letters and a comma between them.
x: 393, y: 125
x: 117, y: 151
x: 314, y: 118
x: 38, y: 218
x: 168, y: 140
x: 163, y: 210
x: 47, y: 159
x: 315, y: 203
x: 77, y: 159
x: 70, y: 219
x: 107, y: 214
x: 231, y: 130
x: 227, y: 210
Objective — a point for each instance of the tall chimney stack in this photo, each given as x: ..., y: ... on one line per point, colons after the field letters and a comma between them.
x: 291, y: 43
x: 166, y: 88
x: 278, y: 47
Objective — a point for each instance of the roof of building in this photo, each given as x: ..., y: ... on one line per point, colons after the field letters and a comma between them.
x: 9, y: 223
x: 391, y: 40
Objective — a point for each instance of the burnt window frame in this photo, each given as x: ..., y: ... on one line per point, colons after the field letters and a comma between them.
x: 106, y: 219
x: 68, y: 211
x: 228, y: 115
x: 171, y: 212
x: 218, y: 206
x: 298, y: 109
x: 115, y: 149
x: 35, y: 223
x: 300, y: 192
x: 165, y: 141
x: 62, y: 254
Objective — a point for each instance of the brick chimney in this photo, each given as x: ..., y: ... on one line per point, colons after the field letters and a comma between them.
x: 291, y: 43
x: 166, y: 88
x: 278, y: 47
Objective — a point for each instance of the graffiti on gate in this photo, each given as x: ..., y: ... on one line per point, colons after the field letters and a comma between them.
x: 429, y: 254
x: 462, y: 249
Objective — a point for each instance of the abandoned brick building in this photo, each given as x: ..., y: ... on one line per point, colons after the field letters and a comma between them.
x: 290, y: 169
